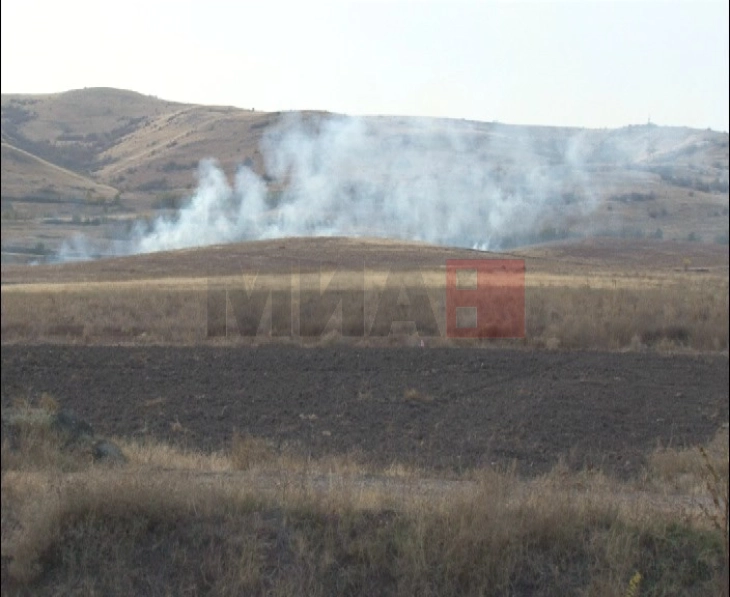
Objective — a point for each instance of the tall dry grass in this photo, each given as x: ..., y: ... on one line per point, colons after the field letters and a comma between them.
x: 248, y: 522
x: 667, y: 316
x: 667, y: 313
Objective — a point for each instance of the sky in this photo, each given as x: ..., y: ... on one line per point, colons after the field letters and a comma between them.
x: 586, y: 64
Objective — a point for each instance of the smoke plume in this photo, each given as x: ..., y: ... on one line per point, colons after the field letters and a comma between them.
x: 455, y: 183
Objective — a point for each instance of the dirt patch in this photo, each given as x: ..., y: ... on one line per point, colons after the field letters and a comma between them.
x: 435, y: 408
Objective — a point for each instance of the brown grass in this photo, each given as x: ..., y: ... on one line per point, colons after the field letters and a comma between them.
x: 703, y: 473
x: 670, y: 312
x: 23, y: 171
x: 666, y: 315
x: 685, y: 470
x: 251, y: 522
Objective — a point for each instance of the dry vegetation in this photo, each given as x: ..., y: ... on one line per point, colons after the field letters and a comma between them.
x: 610, y: 304
x: 255, y: 520
x: 118, y: 141
x: 675, y: 314
x: 21, y: 169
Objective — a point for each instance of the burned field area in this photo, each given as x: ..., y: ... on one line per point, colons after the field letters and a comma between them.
x: 440, y: 409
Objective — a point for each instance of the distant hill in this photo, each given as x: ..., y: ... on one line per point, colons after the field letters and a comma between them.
x: 119, y: 154
x: 27, y: 175
x: 582, y: 258
x: 137, y: 144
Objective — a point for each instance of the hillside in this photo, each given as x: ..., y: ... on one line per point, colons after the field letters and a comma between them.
x: 90, y: 161
x: 138, y: 144
x: 21, y: 170
x: 579, y: 259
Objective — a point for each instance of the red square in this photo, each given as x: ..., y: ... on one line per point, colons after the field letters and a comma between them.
x: 497, y: 293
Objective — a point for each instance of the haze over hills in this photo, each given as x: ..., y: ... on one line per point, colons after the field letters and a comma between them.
x: 100, y: 161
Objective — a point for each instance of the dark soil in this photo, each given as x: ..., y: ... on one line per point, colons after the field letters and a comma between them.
x: 436, y: 408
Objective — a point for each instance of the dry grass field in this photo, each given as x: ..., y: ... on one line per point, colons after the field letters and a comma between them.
x: 270, y: 509
x: 589, y: 295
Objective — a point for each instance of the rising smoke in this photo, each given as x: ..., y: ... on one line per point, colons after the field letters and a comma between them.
x: 453, y: 183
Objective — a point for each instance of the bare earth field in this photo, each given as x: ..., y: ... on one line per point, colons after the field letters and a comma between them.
x: 452, y: 409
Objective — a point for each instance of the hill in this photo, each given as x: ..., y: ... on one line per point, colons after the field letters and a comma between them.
x: 580, y: 259
x: 91, y: 161
x: 135, y: 143
x: 49, y: 182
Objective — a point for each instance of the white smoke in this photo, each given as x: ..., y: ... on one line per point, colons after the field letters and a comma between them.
x: 453, y: 183
x: 216, y: 213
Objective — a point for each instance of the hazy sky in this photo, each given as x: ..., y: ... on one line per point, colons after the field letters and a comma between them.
x: 590, y: 64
